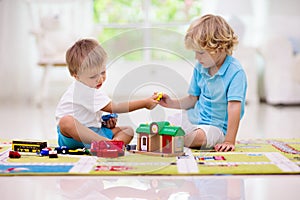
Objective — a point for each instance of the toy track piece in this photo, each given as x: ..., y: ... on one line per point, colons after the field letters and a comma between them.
x: 281, y: 146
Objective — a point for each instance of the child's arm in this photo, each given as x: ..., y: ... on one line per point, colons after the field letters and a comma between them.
x: 183, y: 103
x: 234, y: 111
x: 124, y: 107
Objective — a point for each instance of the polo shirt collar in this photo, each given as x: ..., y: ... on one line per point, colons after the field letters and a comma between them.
x: 225, y: 65
x: 221, y: 71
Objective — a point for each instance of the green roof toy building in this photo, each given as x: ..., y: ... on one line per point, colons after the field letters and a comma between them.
x: 160, y: 137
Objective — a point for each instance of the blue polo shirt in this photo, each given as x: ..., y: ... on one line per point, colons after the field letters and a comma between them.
x: 214, y: 92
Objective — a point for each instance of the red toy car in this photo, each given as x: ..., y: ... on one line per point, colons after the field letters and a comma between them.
x: 14, y: 154
x: 108, y: 149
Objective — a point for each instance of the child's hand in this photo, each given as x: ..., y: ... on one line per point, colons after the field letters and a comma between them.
x: 111, y: 123
x: 225, y: 146
x: 165, y: 100
x: 151, y: 102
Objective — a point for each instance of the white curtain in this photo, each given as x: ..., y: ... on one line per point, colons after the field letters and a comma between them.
x: 19, y: 74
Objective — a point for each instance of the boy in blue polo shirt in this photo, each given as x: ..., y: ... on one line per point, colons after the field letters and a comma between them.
x: 217, y: 91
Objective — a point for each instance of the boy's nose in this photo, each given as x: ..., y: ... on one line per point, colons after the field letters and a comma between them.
x: 100, y: 80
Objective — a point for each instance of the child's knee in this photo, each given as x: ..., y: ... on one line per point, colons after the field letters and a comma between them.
x: 189, y: 141
x: 128, y: 131
x: 125, y: 134
x: 66, y: 123
x: 195, y: 139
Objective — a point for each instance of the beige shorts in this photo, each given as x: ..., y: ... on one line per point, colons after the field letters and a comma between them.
x: 214, y: 135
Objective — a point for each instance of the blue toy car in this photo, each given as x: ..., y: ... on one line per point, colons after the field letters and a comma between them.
x: 107, y: 117
x: 62, y: 149
x: 44, y: 152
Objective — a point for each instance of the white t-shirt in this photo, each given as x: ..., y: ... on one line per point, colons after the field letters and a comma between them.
x: 83, y: 103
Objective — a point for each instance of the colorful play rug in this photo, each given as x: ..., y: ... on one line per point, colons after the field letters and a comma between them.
x: 269, y: 156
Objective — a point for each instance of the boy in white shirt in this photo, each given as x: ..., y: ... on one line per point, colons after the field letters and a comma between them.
x: 79, y: 111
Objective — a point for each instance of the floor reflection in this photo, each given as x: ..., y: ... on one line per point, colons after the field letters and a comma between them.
x: 152, y: 188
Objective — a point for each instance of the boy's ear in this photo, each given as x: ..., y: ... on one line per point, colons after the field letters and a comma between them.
x: 75, y: 76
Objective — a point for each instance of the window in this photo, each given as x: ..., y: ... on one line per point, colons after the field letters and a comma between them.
x: 145, y: 29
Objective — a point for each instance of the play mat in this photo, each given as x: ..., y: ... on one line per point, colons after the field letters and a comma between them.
x: 257, y: 156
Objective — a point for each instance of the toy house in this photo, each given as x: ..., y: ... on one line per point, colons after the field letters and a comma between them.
x: 148, y: 138
x: 160, y: 137
x: 171, y: 139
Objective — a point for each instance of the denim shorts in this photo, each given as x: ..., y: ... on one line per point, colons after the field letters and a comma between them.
x: 74, y: 144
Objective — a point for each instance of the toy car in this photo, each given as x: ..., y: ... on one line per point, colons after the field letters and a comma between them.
x: 14, y: 154
x: 62, y: 149
x: 130, y: 147
x: 109, y: 149
x: 45, y: 152
x: 28, y: 145
x: 53, y: 154
x: 109, y: 116
x: 79, y: 151
x: 66, y: 150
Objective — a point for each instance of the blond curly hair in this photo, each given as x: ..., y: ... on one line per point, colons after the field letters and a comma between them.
x: 211, y: 33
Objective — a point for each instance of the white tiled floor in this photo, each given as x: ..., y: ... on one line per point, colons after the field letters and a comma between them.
x: 261, y: 121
